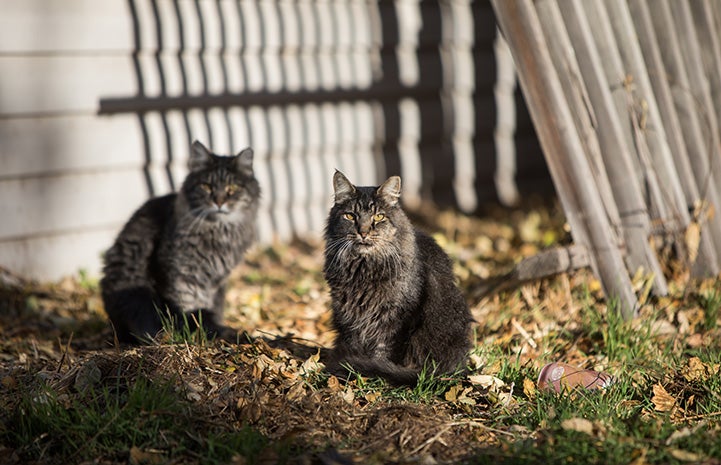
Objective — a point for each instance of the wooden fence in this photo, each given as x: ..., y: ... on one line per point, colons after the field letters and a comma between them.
x: 626, y: 97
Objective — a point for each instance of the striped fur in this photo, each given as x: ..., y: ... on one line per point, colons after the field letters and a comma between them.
x: 395, y: 304
x: 175, y: 253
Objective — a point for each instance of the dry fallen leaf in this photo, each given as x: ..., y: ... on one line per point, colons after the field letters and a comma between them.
x: 686, y: 456
x: 372, y: 396
x: 248, y: 410
x: 679, y: 434
x: 312, y: 364
x: 296, y: 391
x: 141, y: 457
x: 639, y: 457
x: 348, y: 396
x: 580, y: 425
x: 529, y: 388
x: 690, y: 319
x: 486, y: 381
x: 696, y: 370
x: 692, y: 237
x: 334, y: 384
x: 452, y: 393
x: 662, y: 400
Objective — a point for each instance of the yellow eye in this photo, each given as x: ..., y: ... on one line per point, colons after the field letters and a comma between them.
x: 231, y: 189
x: 378, y: 217
x: 349, y: 216
x: 206, y: 187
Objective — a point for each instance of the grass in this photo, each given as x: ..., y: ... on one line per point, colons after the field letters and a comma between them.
x: 135, y: 417
x: 621, y: 423
x: 117, y: 421
x: 710, y: 301
x: 188, y: 331
x: 187, y: 399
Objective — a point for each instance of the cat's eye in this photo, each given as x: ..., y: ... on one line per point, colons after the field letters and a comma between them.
x: 206, y: 187
x: 231, y: 189
x: 378, y: 217
x: 349, y: 216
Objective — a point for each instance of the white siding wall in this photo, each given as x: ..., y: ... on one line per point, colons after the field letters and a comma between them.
x: 100, y: 99
x: 70, y: 175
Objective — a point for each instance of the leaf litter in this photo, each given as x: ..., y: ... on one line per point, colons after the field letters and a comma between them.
x: 56, y: 335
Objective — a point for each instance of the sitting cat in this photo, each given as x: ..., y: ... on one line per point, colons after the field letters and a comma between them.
x: 395, y: 303
x: 174, y: 255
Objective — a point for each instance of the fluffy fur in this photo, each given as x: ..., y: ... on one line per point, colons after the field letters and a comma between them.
x: 395, y: 303
x: 174, y: 255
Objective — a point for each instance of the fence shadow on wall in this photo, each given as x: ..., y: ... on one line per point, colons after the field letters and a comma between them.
x: 372, y: 89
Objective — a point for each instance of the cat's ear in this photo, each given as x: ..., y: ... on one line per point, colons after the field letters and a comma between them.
x: 390, y: 191
x: 200, y: 157
x: 342, y: 187
x: 244, y: 161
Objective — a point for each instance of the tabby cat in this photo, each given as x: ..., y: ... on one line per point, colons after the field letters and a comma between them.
x: 174, y: 255
x: 395, y: 305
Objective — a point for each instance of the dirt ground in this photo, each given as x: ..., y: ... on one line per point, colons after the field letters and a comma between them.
x: 57, y: 333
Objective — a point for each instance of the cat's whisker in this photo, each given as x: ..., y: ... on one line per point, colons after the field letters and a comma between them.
x: 343, y: 247
x: 195, y: 223
x: 333, y: 247
x: 194, y: 215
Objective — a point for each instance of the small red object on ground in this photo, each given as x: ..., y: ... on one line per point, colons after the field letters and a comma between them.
x: 561, y: 377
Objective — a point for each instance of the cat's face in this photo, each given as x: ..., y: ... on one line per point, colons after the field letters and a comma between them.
x: 220, y: 188
x: 364, y: 220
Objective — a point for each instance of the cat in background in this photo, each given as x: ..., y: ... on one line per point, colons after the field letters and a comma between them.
x: 174, y: 255
x: 395, y: 305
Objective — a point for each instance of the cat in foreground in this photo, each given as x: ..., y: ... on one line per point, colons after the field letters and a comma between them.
x: 395, y: 305
x: 174, y: 255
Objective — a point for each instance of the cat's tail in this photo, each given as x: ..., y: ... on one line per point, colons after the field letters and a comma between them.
x: 374, y: 367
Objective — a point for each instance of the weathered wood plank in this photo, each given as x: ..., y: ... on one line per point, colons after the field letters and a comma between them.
x: 614, y: 158
x: 686, y: 106
x: 540, y: 266
x: 561, y: 144
x: 707, y: 262
x: 551, y: 262
x: 709, y: 39
x: 654, y: 152
x: 704, y: 105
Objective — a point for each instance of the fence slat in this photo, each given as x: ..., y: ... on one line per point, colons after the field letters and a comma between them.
x: 700, y: 89
x: 707, y: 262
x: 561, y: 145
x: 613, y: 149
x: 674, y: 74
x: 658, y: 154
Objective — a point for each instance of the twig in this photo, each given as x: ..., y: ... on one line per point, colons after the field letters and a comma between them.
x: 450, y: 425
x: 702, y: 415
x: 431, y: 440
x: 524, y: 333
x: 65, y: 352
x: 368, y: 446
